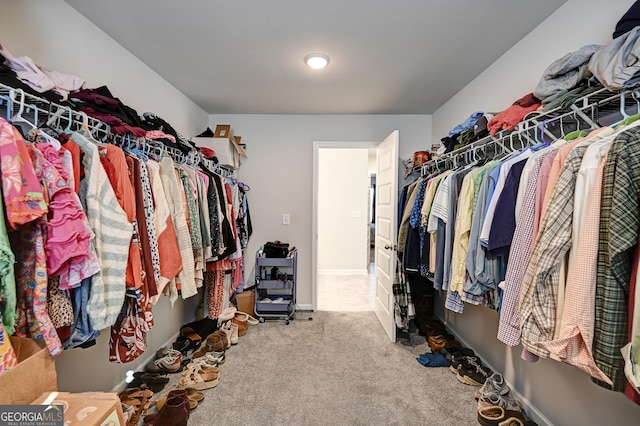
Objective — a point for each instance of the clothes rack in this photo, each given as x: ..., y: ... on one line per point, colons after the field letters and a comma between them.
x: 596, y: 109
x: 39, y: 109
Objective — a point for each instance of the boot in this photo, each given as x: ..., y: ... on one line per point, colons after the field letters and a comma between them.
x: 234, y: 331
x: 174, y: 412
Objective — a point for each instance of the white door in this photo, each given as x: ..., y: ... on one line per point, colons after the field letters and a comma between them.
x: 386, y: 243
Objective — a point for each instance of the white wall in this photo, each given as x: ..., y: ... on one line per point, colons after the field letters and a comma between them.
x: 343, y: 187
x: 57, y: 37
x: 279, y: 171
x: 565, y: 395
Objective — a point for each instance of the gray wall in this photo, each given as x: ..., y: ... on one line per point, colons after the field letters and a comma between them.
x: 279, y: 171
x: 559, y: 392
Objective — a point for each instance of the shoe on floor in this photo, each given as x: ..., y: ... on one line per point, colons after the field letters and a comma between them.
x: 473, y: 372
x: 506, y: 401
x: 458, y: 359
x: 498, y: 416
x: 494, y: 384
x: 168, y: 364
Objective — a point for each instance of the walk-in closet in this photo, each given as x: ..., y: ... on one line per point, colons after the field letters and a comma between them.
x: 319, y: 213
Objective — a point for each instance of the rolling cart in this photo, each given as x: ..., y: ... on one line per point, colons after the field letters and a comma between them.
x: 276, y: 287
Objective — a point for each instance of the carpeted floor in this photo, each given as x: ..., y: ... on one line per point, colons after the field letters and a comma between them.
x: 337, y: 369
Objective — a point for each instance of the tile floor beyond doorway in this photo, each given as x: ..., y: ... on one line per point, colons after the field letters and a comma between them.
x: 346, y: 293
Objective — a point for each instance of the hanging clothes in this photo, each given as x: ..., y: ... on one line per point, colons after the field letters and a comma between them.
x: 113, y: 233
x: 174, y: 200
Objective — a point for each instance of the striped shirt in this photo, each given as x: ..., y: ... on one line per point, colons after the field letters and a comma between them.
x: 113, y: 233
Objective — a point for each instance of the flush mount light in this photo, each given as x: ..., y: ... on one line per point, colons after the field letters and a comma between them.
x: 316, y: 61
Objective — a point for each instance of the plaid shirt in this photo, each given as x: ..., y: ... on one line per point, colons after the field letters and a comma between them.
x: 619, y: 221
x: 575, y: 339
x: 539, y: 297
x: 509, y: 326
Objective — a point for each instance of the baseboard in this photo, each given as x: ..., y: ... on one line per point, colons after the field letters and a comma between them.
x: 304, y: 307
x: 531, y: 410
x: 343, y: 272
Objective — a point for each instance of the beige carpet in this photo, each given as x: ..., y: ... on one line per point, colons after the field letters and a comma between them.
x: 337, y: 369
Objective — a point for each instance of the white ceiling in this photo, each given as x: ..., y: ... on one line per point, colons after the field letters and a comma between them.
x: 387, y: 56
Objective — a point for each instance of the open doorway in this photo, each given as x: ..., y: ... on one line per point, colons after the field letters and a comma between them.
x: 345, y: 223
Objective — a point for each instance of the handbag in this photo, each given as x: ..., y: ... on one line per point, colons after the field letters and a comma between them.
x: 276, y: 249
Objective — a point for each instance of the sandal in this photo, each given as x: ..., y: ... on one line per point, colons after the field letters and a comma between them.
x: 245, y: 317
x: 195, y: 394
x: 188, y: 340
x: 201, y: 368
x: 153, y: 381
x: 137, y: 398
x: 198, y: 381
x: 215, y: 342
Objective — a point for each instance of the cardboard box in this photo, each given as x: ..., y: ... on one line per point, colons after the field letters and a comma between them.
x: 34, y: 374
x: 87, y: 408
x: 226, y: 150
x: 223, y: 131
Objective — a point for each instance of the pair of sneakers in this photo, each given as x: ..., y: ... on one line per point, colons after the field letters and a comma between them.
x: 168, y: 361
x: 470, y: 371
x: 495, y: 392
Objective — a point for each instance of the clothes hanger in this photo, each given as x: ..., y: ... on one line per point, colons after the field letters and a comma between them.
x: 6, y: 99
x: 631, y: 118
x: 17, y: 118
x: 69, y: 129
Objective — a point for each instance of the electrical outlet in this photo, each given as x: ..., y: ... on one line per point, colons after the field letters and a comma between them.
x: 285, y: 218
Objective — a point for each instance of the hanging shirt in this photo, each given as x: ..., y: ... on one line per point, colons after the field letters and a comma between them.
x: 462, y: 231
x: 174, y: 199
x: 22, y: 193
x: 112, y: 232
x: 539, y: 297
x: 504, y: 223
x: 575, y: 338
x: 475, y: 252
x: 502, y: 177
x: 168, y: 250
x: 509, y: 327
x: 7, y: 278
x: 619, y: 222
x: 113, y: 155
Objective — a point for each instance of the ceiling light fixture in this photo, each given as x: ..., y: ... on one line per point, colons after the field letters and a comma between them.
x: 316, y: 61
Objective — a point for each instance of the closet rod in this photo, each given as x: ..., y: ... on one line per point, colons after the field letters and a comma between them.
x: 45, y: 108
x: 595, y: 102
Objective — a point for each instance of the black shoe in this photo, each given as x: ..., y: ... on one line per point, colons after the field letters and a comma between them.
x: 458, y: 359
x: 473, y: 373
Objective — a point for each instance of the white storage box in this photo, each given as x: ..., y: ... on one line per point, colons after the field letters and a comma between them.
x: 226, y: 150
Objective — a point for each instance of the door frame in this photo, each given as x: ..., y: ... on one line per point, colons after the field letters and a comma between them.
x: 317, y: 146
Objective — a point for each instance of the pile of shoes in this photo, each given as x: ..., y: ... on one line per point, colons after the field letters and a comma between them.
x: 496, y: 405
x: 135, y: 402
x: 198, y: 352
x: 438, y: 338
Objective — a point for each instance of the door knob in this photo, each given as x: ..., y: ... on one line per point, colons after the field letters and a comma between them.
x: 388, y: 247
